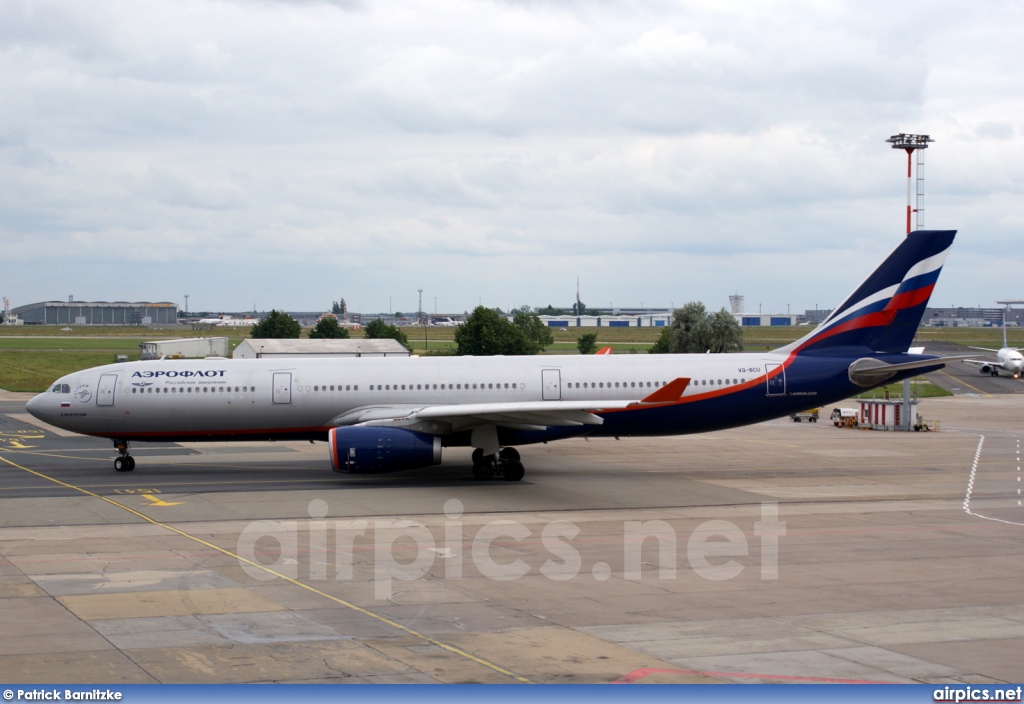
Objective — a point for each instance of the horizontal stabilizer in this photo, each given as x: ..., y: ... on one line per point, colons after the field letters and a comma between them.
x: 871, y: 372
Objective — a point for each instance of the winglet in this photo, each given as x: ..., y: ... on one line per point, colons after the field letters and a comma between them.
x: 669, y: 393
x: 604, y: 350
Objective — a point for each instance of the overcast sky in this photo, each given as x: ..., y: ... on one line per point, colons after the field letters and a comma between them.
x: 287, y: 154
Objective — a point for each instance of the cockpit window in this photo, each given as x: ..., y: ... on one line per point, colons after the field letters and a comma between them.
x: 61, y: 388
x: 56, y: 389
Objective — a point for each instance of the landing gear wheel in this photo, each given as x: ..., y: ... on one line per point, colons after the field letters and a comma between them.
x: 483, y: 471
x: 513, y: 471
x: 509, y: 454
x: 124, y: 463
x: 478, y: 457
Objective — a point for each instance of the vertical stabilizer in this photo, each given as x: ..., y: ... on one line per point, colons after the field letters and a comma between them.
x: 883, y: 313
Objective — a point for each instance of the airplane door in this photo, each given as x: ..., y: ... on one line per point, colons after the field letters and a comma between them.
x: 776, y: 379
x: 551, y: 383
x: 105, y: 391
x: 282, y: 387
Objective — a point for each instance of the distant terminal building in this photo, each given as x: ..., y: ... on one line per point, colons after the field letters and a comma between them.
x: 606, y: 321
x: 816, y: 316
x: 957, y: 317
x: 194, y: 347
x: 768, y: 320
x: 260, y: 348
x: 74, y: 312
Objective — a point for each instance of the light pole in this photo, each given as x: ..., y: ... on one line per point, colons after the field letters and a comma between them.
x: 423, y: 320
x: 911, y: 143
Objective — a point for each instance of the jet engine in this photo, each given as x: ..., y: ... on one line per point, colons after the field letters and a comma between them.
x: 372, y: 449
x: 985, y: 369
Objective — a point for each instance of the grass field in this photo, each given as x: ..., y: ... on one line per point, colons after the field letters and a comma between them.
x: 919, y: 386
x: 33, y: 357
x: 30, y: 370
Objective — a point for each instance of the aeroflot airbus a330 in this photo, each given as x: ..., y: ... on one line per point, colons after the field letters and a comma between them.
x: 388, y: 414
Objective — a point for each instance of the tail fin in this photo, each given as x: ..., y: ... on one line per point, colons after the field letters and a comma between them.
x: 883, y: 314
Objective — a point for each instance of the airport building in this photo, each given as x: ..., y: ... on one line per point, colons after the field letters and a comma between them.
x: 958, y: 317
x: 767, y: 320
x: 74, y: 312
x: 605, y: 321
x: 286, y: 348
x: 194, y: 347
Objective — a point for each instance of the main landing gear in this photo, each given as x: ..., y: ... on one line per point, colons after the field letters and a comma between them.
x: 505, y: 464
x: 124, y: 463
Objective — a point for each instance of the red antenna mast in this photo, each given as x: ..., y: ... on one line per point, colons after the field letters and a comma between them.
x: 913, y: 143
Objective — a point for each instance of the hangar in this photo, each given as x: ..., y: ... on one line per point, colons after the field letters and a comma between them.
x: 97, y: 313
x: 256, y: 348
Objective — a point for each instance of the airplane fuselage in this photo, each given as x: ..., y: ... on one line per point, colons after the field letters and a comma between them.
x: 1011, y: 361
x: 221, y: 399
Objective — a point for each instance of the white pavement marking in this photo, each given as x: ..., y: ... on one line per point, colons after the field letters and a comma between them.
x: 970, y: 485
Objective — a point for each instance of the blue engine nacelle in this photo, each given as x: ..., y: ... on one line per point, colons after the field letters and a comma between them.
x: 370, y: 449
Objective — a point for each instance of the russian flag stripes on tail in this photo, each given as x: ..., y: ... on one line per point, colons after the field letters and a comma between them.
x: 883, y: 313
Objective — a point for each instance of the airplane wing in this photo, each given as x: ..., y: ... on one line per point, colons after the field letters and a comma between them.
x: 982, y: 362
x: 526, y: 415
x: 984, y: 349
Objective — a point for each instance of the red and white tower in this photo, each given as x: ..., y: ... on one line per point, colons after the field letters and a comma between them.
x: 913, y: 143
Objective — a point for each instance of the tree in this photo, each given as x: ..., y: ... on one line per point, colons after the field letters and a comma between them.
x: 536, y: 334
x: 277, y: 324
x: 328, y: 329
x: 693, y: 330
x: 551, y: 310
x: 487, y: 333
x: 587, y: 343
x: 662, y: 345
x: 726, y: 333
x: 579, y: 308
x: 377, y: 329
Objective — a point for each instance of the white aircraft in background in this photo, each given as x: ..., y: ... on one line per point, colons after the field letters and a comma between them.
x: 226, y: 321
x: 1008, y: 359
x: 446, y: 323
x: 393, y: 413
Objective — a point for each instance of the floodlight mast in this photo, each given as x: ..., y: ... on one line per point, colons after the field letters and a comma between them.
x: 911, y: 143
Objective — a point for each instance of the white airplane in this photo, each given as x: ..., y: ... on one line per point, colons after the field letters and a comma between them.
x: 226, y: 321
x: 1008, y: 359
x: 446, y: 323
x: 394, y: 413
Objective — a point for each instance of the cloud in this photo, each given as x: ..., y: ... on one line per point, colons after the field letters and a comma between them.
x: 295, y: 152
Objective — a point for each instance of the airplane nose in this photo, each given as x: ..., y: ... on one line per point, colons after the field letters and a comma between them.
x: 35, y: 406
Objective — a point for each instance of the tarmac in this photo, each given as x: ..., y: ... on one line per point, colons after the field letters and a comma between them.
x: 779, y: 552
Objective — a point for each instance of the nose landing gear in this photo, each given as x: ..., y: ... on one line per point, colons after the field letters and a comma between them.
x: 505, y: 463
x: 124, y: 463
